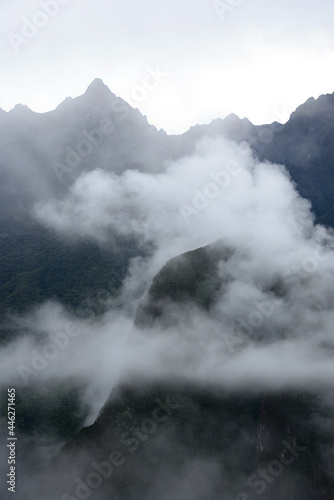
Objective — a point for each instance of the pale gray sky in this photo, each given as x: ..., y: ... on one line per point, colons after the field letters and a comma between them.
x: 255, y: 58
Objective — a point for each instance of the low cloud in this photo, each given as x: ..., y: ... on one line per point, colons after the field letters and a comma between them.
x: 221, y: 191
x: 271, y: 325
x: 277, y: 306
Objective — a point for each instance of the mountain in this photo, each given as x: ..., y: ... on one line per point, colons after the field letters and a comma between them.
x: 193, y: 275
x: 217, y: 434
x: 43, y: 154
x: 232, y: 127
x: 305, y: 145
x: 179, y: 440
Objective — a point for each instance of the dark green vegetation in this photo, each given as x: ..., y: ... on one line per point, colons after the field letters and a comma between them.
x: 53, y: 410
x: 187, y: 442
x: 218, y: 433
x: 37, y: 265
x: 193, y: 275
x: 209, y: 441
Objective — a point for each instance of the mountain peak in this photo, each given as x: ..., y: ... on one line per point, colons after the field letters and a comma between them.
x: 97, y: 82
x: 19, y: 108
x: 323, y: 105
x: 232, y: 118
x: 98, y: 86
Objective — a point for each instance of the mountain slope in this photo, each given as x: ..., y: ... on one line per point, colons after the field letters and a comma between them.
x: 305, y: 145
x: 181, y: 440
x: 43, y: 154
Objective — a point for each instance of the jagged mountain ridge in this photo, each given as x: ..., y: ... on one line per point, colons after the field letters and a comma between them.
x: 40, y: 161
x: 305, y: 145
x: 33, y: 144
x: 39, y: 141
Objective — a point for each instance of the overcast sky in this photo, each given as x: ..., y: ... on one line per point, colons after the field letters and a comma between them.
x: 255, y: 58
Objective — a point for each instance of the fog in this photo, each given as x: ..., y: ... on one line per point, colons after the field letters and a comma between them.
x: 220, y: 193
x: 271, y: 325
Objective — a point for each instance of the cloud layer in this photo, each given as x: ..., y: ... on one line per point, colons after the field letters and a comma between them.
x: 271, y: 325
x: 276, y: 309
